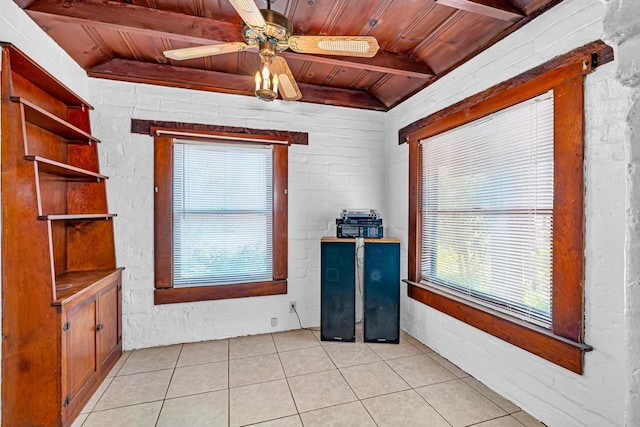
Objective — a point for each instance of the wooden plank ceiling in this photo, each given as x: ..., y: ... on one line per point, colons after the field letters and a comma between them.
x: 420, y: 41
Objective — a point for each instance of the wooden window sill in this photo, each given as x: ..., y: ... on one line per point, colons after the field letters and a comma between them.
x: 216, y: 292
x: 527, y: 336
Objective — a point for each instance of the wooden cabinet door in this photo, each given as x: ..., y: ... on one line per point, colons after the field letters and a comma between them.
x: 81, y: 361
x: 108, y: 327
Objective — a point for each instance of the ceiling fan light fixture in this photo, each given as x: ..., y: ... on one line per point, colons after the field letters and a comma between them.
x: 266, y: 80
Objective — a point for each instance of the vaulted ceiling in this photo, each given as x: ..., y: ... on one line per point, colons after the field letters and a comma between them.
x: 420, y: 41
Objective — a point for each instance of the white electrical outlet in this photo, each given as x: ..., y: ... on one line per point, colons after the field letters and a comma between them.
x: 292, y: 307
x: 274, y: 321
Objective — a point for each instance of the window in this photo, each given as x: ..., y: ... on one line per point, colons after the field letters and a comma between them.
x: 222, y: 213
x: 220, y: 210
x: 487, y: 210
x: 496, y: 214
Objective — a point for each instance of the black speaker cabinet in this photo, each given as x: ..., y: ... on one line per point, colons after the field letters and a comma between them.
x: 338, y: 290
x: 382, y: 291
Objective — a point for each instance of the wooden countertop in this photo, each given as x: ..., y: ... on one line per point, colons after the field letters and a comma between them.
x: 352, y: 239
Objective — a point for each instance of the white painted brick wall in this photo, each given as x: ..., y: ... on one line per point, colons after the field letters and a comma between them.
x: 632, y: 282
x: 554, y: 395
x: 622, y: 29
x: 343, y: 166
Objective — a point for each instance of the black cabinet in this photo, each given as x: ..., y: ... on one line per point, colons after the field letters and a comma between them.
x: 338, y: 290
x: 381, y: 290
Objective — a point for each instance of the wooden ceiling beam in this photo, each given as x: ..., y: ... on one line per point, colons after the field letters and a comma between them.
x: 499, y: 9
x: 152, y: 22
x: 340, y: 97
x: 169, y: 75
x: 213, y: 81
x: 126, y: 17
x: 383, y: 62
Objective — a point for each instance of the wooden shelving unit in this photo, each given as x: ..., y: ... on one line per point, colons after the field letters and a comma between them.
x: 61, y: 288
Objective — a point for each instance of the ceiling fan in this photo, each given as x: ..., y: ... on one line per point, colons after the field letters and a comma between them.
x: 271, y: 32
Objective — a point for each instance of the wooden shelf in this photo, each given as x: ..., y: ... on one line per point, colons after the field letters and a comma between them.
x: 45, y: 120
x: 76, y: 217
x: 27, y: 68
x: 63, y: 169
x: 72, y: 284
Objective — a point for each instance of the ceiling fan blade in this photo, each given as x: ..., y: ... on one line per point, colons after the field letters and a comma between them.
x: 208, y: 50
x: 249, y: 13
x: 288, y: 87
x: 363, y: 46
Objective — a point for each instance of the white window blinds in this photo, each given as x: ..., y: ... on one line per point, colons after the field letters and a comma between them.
x: 487, y: 203
x: 222, y: 213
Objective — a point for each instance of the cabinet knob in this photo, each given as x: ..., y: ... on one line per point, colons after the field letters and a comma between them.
x: 99, y: 327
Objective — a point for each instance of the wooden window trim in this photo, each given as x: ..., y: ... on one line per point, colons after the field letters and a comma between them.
x: 563, y: 344
x: 148, y: 127
x: 164, y: 292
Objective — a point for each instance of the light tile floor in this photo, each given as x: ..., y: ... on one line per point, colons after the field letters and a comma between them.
x: 294, y: 379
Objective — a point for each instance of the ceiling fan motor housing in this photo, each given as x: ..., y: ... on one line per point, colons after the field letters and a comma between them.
x: 277, y: 31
